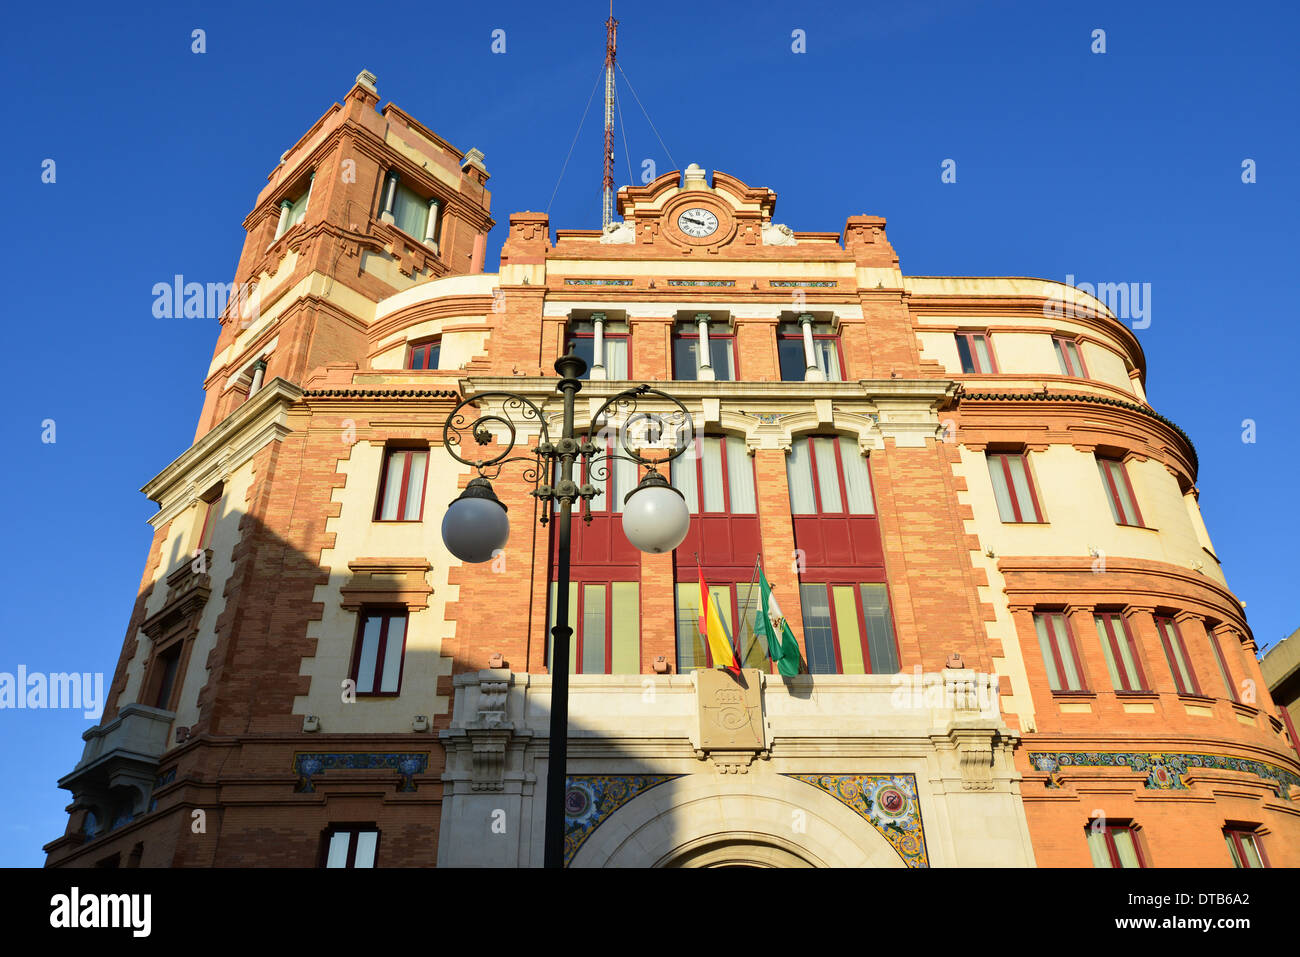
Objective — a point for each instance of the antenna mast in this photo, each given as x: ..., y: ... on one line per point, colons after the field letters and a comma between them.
x: 607, y: 184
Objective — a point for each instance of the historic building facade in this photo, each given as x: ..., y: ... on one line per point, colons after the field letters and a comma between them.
x: 1021, y: 649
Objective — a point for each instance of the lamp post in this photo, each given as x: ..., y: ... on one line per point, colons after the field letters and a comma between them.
x: 655, y: 516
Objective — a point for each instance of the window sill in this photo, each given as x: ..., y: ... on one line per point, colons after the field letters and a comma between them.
x: 1141, y: 695
x: 1069, y: 695
x: 398, y: 521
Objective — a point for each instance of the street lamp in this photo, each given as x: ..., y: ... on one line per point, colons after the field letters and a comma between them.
x: 655, y: 516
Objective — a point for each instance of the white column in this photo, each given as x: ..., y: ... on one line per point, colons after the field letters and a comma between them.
x: 306, y: 203
x: 598, y: 347
x: 703, y: 358
x: 431, y: 227
x: 285, y: 206
x: 259, y: 369
x: 811, y: 372
x: 390, y: 197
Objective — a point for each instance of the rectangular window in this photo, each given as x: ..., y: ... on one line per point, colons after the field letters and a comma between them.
x: 1069, y: 356
x: 1060, y: 658
x: 424, y: 355
x: 401, y: 487
x: 381, y: 648
x: 975, y: 352
x: 1244, y: 848
x: 1113, y: 846
x: 168, y: 664
x: 211, y: 511
x: 1122, y: 660
x: 1119, y: 492
x: 837, y: 617
x: 410, y: 212
x: 736, y: 603
x: 615, y: 341
x: 1013, y: 487
x: 828, y: 475
x: 793, y: 359
x: 297, y: 211
x: 606, y: 622
x: 1180, y: 665
x: 716, y: 477
x: 351, y: 846
x: 686, y: 347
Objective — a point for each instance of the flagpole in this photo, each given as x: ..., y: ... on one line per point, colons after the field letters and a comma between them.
x: 753, y: 576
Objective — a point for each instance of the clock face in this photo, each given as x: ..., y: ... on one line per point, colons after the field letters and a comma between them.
x: 698, y: 223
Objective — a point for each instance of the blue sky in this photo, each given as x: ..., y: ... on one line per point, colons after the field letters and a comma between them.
x: 1115, y: 167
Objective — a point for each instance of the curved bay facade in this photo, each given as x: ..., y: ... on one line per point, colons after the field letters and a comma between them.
x: 1019, y: 646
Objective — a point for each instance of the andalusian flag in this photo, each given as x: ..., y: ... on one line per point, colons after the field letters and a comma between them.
x: 781, y: 645
x: 714, y: 630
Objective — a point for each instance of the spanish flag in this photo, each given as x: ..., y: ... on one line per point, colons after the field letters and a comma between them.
x: 714, y: 630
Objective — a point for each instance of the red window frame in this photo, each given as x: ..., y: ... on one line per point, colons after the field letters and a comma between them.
x: 863, y: 636
x: 1109, y: 832
x: 608, y: 584
x: 386, y: 614
x: 839, y: 477
x: 392, y: 454
x: 735, y: 588
x: 1110, y: 620
x: 1109, y: 466
x: 353, y: 831
x: 606, y: 336
x: 798, y: 336
x: 1063, y: 355
x: 418, y: 354
x: 971, y: 351
x: 1222, y: 662
x: 1054, y: 643
x: 1016, y: 509
x: 209, y: 514
x: 1234, y: 837
x: 696, y: 460
x: 169, y: 660
x: 680, y: 332
x: 1172, y: 661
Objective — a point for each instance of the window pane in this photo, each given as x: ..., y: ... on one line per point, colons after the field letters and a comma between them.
x: 1076, y: 362
x: 684, y: 364
x: 1128, y: 654
x: 740, y: 478
x: 1064, y: 654
x: 392, y: 485
x: 1097, y: 848
x: 846, y: 626
x: 625, y: 479
x: 434, y: 356
x: 963, y: 352
x: 584, y: 347
x: 1060, y: 356
x: 1001, y: 493
x: 711, y: 469
x: 1250, y: 850
x: 366, y: 843
x: 338, y: 849
x: 880, y: 630
x: 818, y: 637
x: 857, y: 479
x: 615, y: 358
x: 1120, y: 478
x: 828, y: 478
x: 1115, y: 681
x: 415, y: 486
x: 724, y: 366
x: 1187, y: 685
x: 393, y: 648
x: 369, y: 654
x: 593, y: 629
x: 1232, y: 849
x: 625, y: 623
x: 1123, y: 839
x: 798, y: 474
x: 983, y: 358
x: 1222, y: 665
x: 828, y: 358
x: 1020, y: 481
x: 1049, y: 652
x: 682, y: 472
x: 410, y: 212
x: 690, y: 646
x: 793, y: 364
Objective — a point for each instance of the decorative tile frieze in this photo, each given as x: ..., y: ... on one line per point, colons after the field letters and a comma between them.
x: 589, y: 800
x: 1165, y: 771
x: 803, y: 283
x: 598, y: 282
x: 887, y: 802
x: 407, y: 764
x: 702, y: 282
